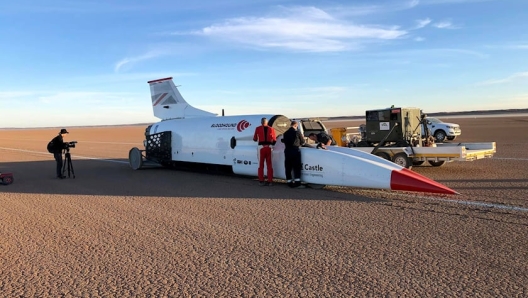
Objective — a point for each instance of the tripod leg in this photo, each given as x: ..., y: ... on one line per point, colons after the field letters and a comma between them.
x: 66, y: 165
x: 70, y: 167
x: 63, y: 166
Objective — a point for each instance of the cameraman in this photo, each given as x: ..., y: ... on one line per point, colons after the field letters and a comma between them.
x: 58, y: 146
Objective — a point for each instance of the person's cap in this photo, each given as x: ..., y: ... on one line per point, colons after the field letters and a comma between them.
x: 63, y: 131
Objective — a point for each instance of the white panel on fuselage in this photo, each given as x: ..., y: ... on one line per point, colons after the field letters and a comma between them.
x: 207, y: 140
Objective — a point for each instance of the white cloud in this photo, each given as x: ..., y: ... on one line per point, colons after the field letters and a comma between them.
x: 129, y: 61
x: 422, y: 23
x: 419, y: 39
x: 158, y: 50
x: 300, y: 29
x: 445, y: 25
x: 514, y: 77
x: 413, y: 3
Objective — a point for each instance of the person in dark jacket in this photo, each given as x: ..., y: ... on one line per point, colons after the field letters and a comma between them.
x: 266, y: 138
x: 322, y: 138
x: 293, y: 140
x: 58, y: 146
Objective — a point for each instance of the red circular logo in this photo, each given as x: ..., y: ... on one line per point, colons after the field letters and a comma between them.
x: 242, y: 125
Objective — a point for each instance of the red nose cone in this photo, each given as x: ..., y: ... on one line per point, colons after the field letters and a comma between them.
x: 408, y: 180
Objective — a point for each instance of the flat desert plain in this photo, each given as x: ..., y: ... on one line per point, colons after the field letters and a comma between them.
x: 115, y: 232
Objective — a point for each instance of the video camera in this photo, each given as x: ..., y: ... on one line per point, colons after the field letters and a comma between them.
x: 68, y: 145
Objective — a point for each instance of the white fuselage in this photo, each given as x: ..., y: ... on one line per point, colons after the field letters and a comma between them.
x: 208, y: 140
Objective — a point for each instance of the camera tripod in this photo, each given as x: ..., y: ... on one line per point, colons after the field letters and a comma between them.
x: 68, y: 164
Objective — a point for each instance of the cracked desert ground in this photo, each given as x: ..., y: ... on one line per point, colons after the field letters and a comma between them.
x: 116, y: 232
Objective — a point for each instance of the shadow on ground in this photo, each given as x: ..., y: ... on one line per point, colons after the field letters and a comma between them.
x: 116, y: 178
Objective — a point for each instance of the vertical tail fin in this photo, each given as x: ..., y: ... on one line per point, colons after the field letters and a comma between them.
x: 167, y: 102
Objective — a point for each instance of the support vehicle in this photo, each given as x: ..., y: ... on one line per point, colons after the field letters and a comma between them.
x: 396, y: 134
x: 441, y: 130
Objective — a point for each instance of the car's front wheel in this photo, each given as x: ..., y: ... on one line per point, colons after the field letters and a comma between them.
x: 451, y: 138
x: 440, y: 136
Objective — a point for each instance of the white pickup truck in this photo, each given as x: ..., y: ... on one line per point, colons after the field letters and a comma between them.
x: 442, y: 130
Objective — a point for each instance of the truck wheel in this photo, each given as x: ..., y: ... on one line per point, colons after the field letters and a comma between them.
x: 418, y: 162
x: 436, y: 163
x: 402, y: 160
x: 383, y: 155
x: 440, y: 136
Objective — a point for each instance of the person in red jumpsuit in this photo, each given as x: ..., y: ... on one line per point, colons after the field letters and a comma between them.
x: 265, y: 136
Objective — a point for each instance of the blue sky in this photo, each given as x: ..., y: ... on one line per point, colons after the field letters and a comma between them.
x: 67, y: 63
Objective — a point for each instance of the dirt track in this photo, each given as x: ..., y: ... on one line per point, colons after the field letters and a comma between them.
x: 115, y: 232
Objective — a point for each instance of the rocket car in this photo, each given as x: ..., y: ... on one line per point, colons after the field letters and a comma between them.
x: 187, y: 135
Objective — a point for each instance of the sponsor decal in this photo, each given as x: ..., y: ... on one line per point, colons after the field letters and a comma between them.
x: 312, y: 170
x: 224, y: 125
x: 316, y: 175
x: 315, y: 168
x: 243, y: 124
x: 245, y: 162
x: 240, y: 126
x: 384, y: 126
